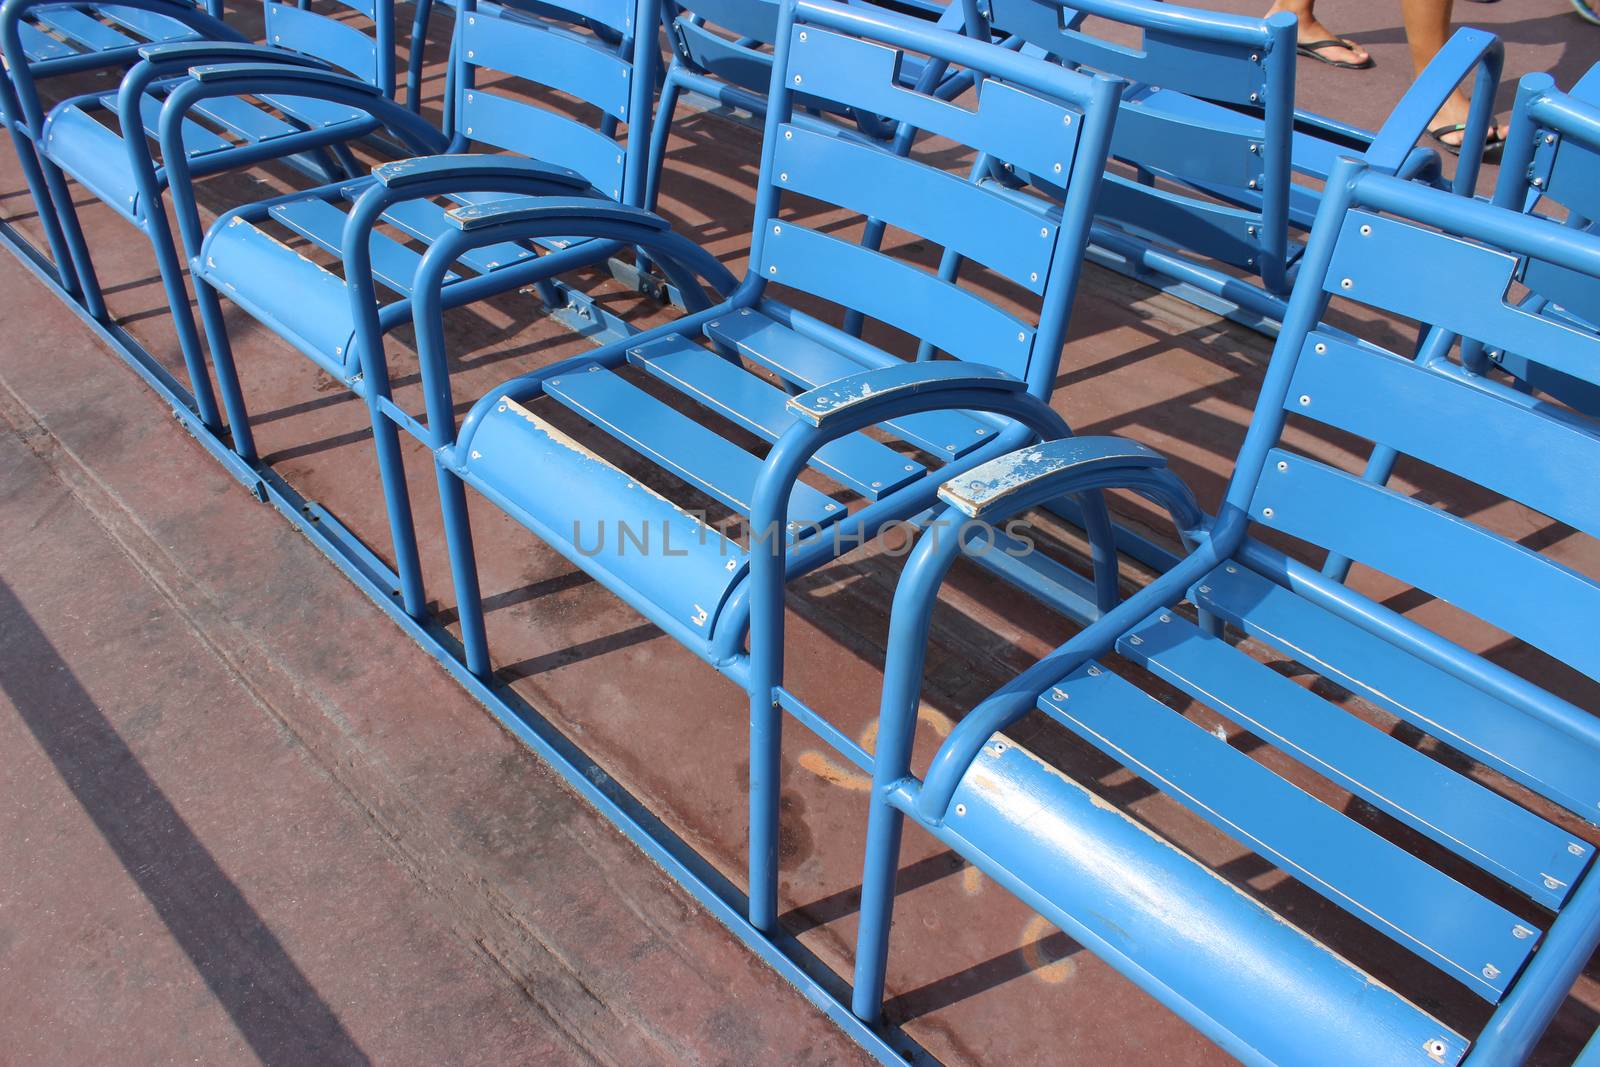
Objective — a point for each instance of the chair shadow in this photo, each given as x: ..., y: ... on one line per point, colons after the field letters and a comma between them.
x: 271, y: 1002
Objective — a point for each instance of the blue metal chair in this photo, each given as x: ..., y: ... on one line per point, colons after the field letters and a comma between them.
x: 742, y: 357
x: 87, y: 138
x: 340, y: 322
x: 1262, y: 988
x: 1552, y: 163
x: 722, y: 50
x: 571, y: 12
x: 1206, y: 203
x: 40, y: 40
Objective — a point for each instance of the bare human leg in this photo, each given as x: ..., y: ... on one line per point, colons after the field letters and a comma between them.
x: 1427, y: 25
x: 1312, y: 32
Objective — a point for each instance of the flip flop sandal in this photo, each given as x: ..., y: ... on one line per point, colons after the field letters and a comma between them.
x: 1492, y: 139
x: 1314, y: 50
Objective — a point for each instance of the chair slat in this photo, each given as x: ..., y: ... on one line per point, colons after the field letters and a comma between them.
x: 1570, y: 174
x: 1012, y: 124
x: 197, y: 139
x: 80, y: 27
x: 148, y: 24
x: 1211, y: 229
x: 949, y: 317
x: 313, y: 112
x: 1377, y: 257
x: 38, y: 45
x: 1216, y: 70
x: 1446, y: 422
x: 552, y: 58
x: 1189, y: 139
x: 242, y: 118
x: 699, y: 456
x: 756, y: 19
x: 1509, y: 841
x: 1432, y: 915
x: 1524, y: 749
x: 999, y: 232
x: 869, y: 468
x: 543, y: 134
x: 322, y: 224
x: 806, y: 363
x: 425, y: 220
x: 1553, y: 607
x: 317, y: 35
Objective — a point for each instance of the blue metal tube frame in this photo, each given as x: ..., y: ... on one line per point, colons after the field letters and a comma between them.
x: 1523, y: 1015
x: 1392, y: 148
x: 909, y: 622
x: 793, y: 961
x: 23, y: 116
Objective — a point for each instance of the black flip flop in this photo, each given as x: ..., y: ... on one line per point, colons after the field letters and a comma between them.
x: 1314, y: 49
x: 1492, y: 139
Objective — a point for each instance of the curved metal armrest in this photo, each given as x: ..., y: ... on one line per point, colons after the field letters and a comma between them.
x: 535, y: 209
x: 161, y: 60
x: 226, y: 73
x: 859, y: 392
x: 521, y: 218
x: 464, y: 169
x: 524, y: 218
x: 1467, y: 49
x: 194, y: 53
x: 1040, y: 473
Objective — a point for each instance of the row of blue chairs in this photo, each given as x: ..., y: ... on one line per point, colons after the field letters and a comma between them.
x: 1175, y: 157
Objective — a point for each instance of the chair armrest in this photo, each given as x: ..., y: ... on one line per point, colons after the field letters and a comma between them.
x: 1040, y: 473
x: 541, y: 209
x: 195, y: 53
x: 856, y: 392
x: 467, y: 168
x: 523, y: 217
x: 1411, y: 117
x: 998, y: 484
x: 225, y: 73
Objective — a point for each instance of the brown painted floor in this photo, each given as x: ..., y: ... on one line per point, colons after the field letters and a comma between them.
x: 248, y: 819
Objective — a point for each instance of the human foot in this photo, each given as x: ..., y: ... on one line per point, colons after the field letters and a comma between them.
x: 1316, y: 41
x: 1449, y: 126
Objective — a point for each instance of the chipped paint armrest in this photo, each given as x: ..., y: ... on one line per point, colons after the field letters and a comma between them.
x: 1414, y: 114
x: 1040, y: 473
x: 577, y: 210
x: 474, y: 167
x: 195, y: 53
x: 959, y: 380
x: 249, y: 73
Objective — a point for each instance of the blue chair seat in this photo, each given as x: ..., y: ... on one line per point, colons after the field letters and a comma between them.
x: 1132, y: 896
x: 692, y: 579
x: 94, y: 154
x: 236, y: 254
x: 65, y: 31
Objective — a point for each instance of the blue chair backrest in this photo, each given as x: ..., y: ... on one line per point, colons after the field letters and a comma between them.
x: 1552, y: 166
x: 1446, y: 262
x: 1034, y: 115
x: 1246, y: 65
x: 369, y: 56
x: 731, y: 39
x: 725, y: 38
x: 610, y: 87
